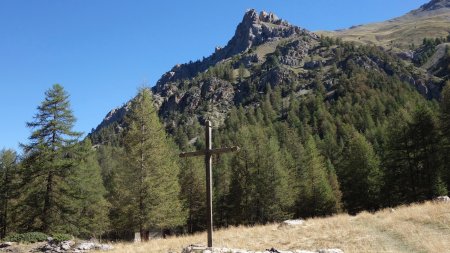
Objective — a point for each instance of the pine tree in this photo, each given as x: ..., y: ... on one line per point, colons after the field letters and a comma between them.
x: 360, y: 175
x: 335, y: 186
x: 445, y: 129
x: 8, y: 189
x: 259, y: 184
x: 90, y: 216
x: 152, y: 200
x: 111, y: 161
x: 49, y: 161
x: 412, y: 164
x: 193, y: 193
x: 316, y: 197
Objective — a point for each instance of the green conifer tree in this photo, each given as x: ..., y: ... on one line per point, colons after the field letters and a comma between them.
x: 49, y: 161
x: 360, y: 175
x: 150, y: 179
x: 316, y: 196
x: 193, y: 193
x: 445, y: 129
x: 8, y: 189
x: 90, y: 206
x: 260, y: 190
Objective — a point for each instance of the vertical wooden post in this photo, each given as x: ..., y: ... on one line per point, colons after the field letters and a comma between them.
x: 208, y: 153
x: 208, y: 163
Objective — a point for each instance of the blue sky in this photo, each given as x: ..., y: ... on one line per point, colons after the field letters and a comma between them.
x: 101, y: 51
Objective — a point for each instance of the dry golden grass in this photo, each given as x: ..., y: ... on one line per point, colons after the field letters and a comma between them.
x: 398, y: 32
x: 416, y: 228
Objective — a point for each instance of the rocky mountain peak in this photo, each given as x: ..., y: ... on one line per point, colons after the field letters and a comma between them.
x: 252, y: 17
x: 434, y: 7
x: 435, y: 4
x: 254, y: 29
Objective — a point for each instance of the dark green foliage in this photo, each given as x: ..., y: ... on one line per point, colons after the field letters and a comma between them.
x: 445, y: 130
x: 316, y: 196
x: 29, y: 237
x: 427, y: 49
x: 412, y: 164
x: 90, y: 207
x: 259, y: 182
x: 111, y: 161
x: 62, y: 189
x: 49, y: 161
x: 360, y: 175
x: 152, y: 200
x: 61, y: 237
x: 9, y: 190
x: 193, y: 193
x: 221, y: 71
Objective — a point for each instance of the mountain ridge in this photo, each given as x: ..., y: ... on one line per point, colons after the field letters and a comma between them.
x: 398, y: 34
x: 253, y: 30
x: 261, y: 41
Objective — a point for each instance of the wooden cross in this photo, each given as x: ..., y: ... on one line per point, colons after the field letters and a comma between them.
x: 208, y: 152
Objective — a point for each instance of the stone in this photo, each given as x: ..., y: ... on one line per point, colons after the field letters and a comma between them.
x: 103, y: 247
x: 86, y: 246
x: 5, y: 244
x: 442, y: 199
x: 330, y: 251
x: 291, y: 223
x: 65, y: 245
x: 137, y: 237
x: 203, y: 249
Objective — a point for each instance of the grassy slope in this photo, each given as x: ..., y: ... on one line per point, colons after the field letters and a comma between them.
x: 399, y: 32
x: 417, y: 228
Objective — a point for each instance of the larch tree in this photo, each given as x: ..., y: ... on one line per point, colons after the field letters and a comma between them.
x: 193, y: 193
x: 49, y: 160
x: 90, y: 206
x: 316, y: 196
x: 445, y: 129
x: 412, y: 162
x: 150, y: 178
x: 259, y: 186
x: 360, y: 175
x: 8, y: 188
x: 111, y: 161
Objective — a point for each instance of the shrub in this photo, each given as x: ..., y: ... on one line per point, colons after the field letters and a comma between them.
x: 29, y: 237
x: 61, y: 237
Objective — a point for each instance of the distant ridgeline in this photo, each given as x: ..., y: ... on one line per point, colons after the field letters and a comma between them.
x: 325, y: 124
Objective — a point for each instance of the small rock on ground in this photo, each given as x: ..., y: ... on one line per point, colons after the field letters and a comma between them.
x: 203, y: 249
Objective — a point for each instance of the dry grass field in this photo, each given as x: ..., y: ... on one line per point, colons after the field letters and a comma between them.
x: 399, y: 33
x: 416, y: 228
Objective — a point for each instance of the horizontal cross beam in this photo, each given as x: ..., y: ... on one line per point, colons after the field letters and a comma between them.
x: 211, y: 151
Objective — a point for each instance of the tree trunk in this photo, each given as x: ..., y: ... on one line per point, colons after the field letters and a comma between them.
x: 47, y: 203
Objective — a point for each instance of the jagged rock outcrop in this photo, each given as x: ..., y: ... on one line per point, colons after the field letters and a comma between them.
x: 432, y: 7
x: 254, y: 29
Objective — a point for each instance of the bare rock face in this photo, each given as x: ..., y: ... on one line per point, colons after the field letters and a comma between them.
x: 445, y: 199
x: 432, y: 8
x: 257, y: 29
x: 291, y: 223
x: 254, y: 29
x: 435, y: 5
x: 219, y: 94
